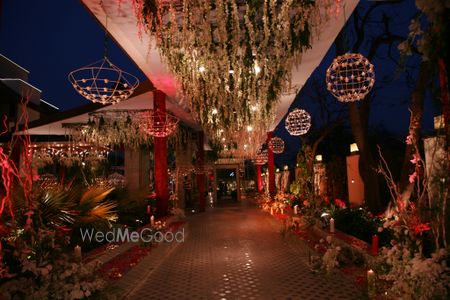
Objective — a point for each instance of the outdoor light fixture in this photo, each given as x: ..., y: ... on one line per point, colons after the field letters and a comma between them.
x: 276, y: 144
x: 298, y: 122
x: 102, y: 81
x: 158, y: 123
x: 350, y: 77
x: 354, y: 148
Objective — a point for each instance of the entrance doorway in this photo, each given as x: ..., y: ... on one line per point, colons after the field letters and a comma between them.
x: 227, y: 184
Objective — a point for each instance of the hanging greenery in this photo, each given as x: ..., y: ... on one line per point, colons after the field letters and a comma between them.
x: 232, y: 58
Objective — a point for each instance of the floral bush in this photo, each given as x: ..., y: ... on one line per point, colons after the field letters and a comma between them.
x: 44, y: 270
x: 411, y: 275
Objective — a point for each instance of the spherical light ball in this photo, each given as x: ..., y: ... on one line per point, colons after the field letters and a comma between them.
x: 298, y: 122
x: 276, y: 144
x: 261, y: 157
x: 350, y: 77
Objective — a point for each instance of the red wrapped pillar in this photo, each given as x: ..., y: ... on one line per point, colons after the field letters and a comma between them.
x: 160, y: 154
x: 271, y: 166
x: 258, y: 178
x: 201, y: 174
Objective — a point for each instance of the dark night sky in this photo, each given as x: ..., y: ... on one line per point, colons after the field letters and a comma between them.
x: 53, y: 37
x: 391, y: 95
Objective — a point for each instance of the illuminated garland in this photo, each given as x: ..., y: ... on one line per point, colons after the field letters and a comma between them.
x: 233, y: 59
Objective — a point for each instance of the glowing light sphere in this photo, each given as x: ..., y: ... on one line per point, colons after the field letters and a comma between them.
x: 298, y: 122
x: 159, y: 124
x: 261, y: 158
x: 277, y: 145
x: 350, y: 77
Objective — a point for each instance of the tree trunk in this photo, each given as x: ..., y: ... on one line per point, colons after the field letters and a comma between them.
x: 367, y: 165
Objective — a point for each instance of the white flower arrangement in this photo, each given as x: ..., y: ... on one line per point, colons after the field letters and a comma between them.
x: 414, y: 276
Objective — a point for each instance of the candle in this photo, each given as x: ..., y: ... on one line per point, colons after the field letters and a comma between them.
x: 271, y: 210
x: 375, y: 245
x: 332, y: 228
x: 148, y: 209
x: 282, y: 211
x: 77, y: 252
x: 295, y: 209
x: 152, y: 220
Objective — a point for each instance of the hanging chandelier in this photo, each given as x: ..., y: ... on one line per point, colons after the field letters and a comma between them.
x: 103, y: 82
x: 232, y: 59
x: 276, y: 144
x: 159, y: 124
x: 350, y: 77
x: 298, y: 122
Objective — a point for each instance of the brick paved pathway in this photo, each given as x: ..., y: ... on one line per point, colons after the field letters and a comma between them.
x: 239, y: 253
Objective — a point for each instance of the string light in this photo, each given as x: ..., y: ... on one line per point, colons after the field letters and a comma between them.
x: 298, y: 122
x: 159, y: 124
x: 276, y: 144
x: 103, y: 82
x: 350, y: 77
x: 261, y: 157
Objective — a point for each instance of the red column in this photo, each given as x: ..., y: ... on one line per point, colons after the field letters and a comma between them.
x: 201, y: 174
x: 271, y: 166
x: 258, y: 178
x: 160, y: 151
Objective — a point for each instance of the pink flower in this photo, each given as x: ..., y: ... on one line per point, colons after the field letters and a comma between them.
x: 412, y: 177
x: 409, y: 140
x: 415, y: 159
x: 340, y: 203
x: 421, y: 228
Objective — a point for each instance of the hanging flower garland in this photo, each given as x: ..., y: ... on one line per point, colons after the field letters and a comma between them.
x: 112, y: 128
x: 232, y: 59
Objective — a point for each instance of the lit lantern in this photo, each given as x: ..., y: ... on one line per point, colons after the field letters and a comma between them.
x: 298, y: 122
x: 261, y: 157
x: 276, y: 144
x: 350, y: 77
x: 159, y: 123
x: 354, y: 148
x: 103, y: 82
